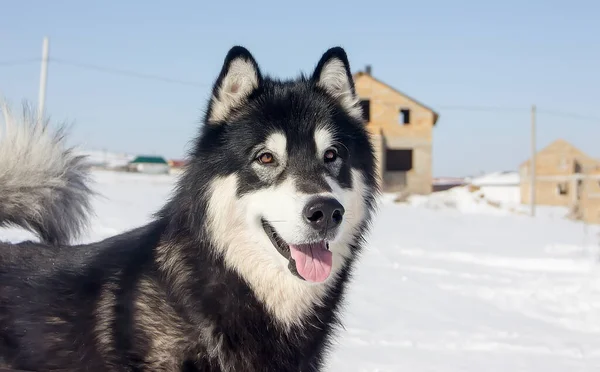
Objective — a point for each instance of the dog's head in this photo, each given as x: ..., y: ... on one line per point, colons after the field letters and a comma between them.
x: 288, y: 167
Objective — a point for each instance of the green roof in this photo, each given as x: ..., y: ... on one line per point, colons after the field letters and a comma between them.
x: 149, y: 159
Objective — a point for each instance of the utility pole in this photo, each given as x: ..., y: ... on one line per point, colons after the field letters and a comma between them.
x: 532, y: 170
x: 43, y: 80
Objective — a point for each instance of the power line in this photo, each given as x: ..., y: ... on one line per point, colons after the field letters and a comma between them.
x: 129, y: 73
x: 483, y: 108
x: 19, y: 62
x: 569, y: 115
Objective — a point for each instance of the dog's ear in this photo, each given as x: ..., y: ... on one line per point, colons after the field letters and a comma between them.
x: 239, y: 77
x: 333, y: 75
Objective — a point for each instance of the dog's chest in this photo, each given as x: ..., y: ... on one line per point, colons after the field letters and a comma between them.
x: 172, y: 345
x: 219, y: 333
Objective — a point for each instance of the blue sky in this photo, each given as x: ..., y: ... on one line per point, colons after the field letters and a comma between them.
x: 447, y: 54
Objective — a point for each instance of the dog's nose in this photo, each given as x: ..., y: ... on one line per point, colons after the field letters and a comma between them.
x: 323, y: 213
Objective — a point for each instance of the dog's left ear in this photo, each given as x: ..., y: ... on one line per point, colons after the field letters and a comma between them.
x: 333, y: 75
x: 239, y: 77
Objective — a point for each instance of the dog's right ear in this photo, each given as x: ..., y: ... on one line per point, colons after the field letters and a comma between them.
x: 333, y: 75
x: 239, y: 77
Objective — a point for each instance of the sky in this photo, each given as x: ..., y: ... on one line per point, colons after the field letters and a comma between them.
x: 480, y: 65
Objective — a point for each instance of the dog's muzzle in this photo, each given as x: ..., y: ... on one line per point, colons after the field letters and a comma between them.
x: 324, y: 215
x: 311, y: 259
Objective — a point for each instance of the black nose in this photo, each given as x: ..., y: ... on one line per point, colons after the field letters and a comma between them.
x: 323, y: 213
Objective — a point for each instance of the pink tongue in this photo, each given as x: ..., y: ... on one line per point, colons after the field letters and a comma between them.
x: 313, y: 261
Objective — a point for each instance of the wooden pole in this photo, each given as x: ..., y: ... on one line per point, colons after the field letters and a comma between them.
x: 43, y: 81
x: 532, y: 167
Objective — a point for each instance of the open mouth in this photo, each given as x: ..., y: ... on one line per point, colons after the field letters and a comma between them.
x: 311, y: 261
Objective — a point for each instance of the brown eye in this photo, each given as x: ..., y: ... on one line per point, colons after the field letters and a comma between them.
x: 330, y: 156
x: 266, y: 158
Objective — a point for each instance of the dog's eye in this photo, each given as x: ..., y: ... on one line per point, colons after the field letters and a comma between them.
x: 266, y: 158
x: 330, y: 156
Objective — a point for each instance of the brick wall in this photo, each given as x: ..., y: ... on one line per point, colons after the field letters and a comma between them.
x: 389, y: 132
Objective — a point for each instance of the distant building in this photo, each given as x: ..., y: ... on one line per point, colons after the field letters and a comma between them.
x: 565, y: 176
x: 149, y: 164
x: 102, y: 159
x: 446, y: 183
x: 503, y: 185
x: 177, y: 166
x: 559, y: 167
x: 589, y: 206
x: 402, y: 131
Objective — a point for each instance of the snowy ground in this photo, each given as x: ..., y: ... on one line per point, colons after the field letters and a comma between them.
x: 446, y: 284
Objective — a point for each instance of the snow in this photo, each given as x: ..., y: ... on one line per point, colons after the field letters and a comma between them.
x: 444, y: 291
x: 462, y: 199
x: 498, y: 200
x: 495, y: 193
x: 497, y: 179
x: 106, y: 158
x: 448, y: 282
x: 443, y: 181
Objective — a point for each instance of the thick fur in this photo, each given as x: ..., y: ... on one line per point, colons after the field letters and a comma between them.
x: 43, y: 185
x: 203, y: 288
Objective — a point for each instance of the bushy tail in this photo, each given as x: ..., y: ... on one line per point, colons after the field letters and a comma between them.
x: 43, y: 185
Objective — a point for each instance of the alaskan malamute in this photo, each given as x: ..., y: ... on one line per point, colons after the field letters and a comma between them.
x: 243, y: 269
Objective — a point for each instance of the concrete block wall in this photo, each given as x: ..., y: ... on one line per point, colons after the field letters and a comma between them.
x: 389, y: 132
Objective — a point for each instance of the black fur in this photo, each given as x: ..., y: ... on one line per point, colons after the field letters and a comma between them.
x: 106, y: 306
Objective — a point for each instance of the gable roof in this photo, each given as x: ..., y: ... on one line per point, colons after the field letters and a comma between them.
x: 563, y: 145
x: 370, y: 76
x: 149, y: 159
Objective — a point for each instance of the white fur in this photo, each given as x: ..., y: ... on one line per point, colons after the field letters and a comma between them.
x: 334, y: 80
x: 277, y: 143
x: 323, y: 140
x: 237, y: 232
x: 240, y: 81
x: 31, y: 149
x: 43, y: 184
x: 282, y: 207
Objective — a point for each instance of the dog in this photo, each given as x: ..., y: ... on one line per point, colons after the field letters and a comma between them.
x: 244, y: 268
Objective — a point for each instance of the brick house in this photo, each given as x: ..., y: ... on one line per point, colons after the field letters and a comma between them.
x: 565, y: 176
x: 560, y: 167
x: 589, y: 207
x: 402, y: 130
x: 177, y: 166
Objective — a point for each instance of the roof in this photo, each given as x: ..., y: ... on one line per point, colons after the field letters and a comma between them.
x: 177, y: 163
x: 560, y: 145
x: 435, y: 114
x: 149, y: 159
